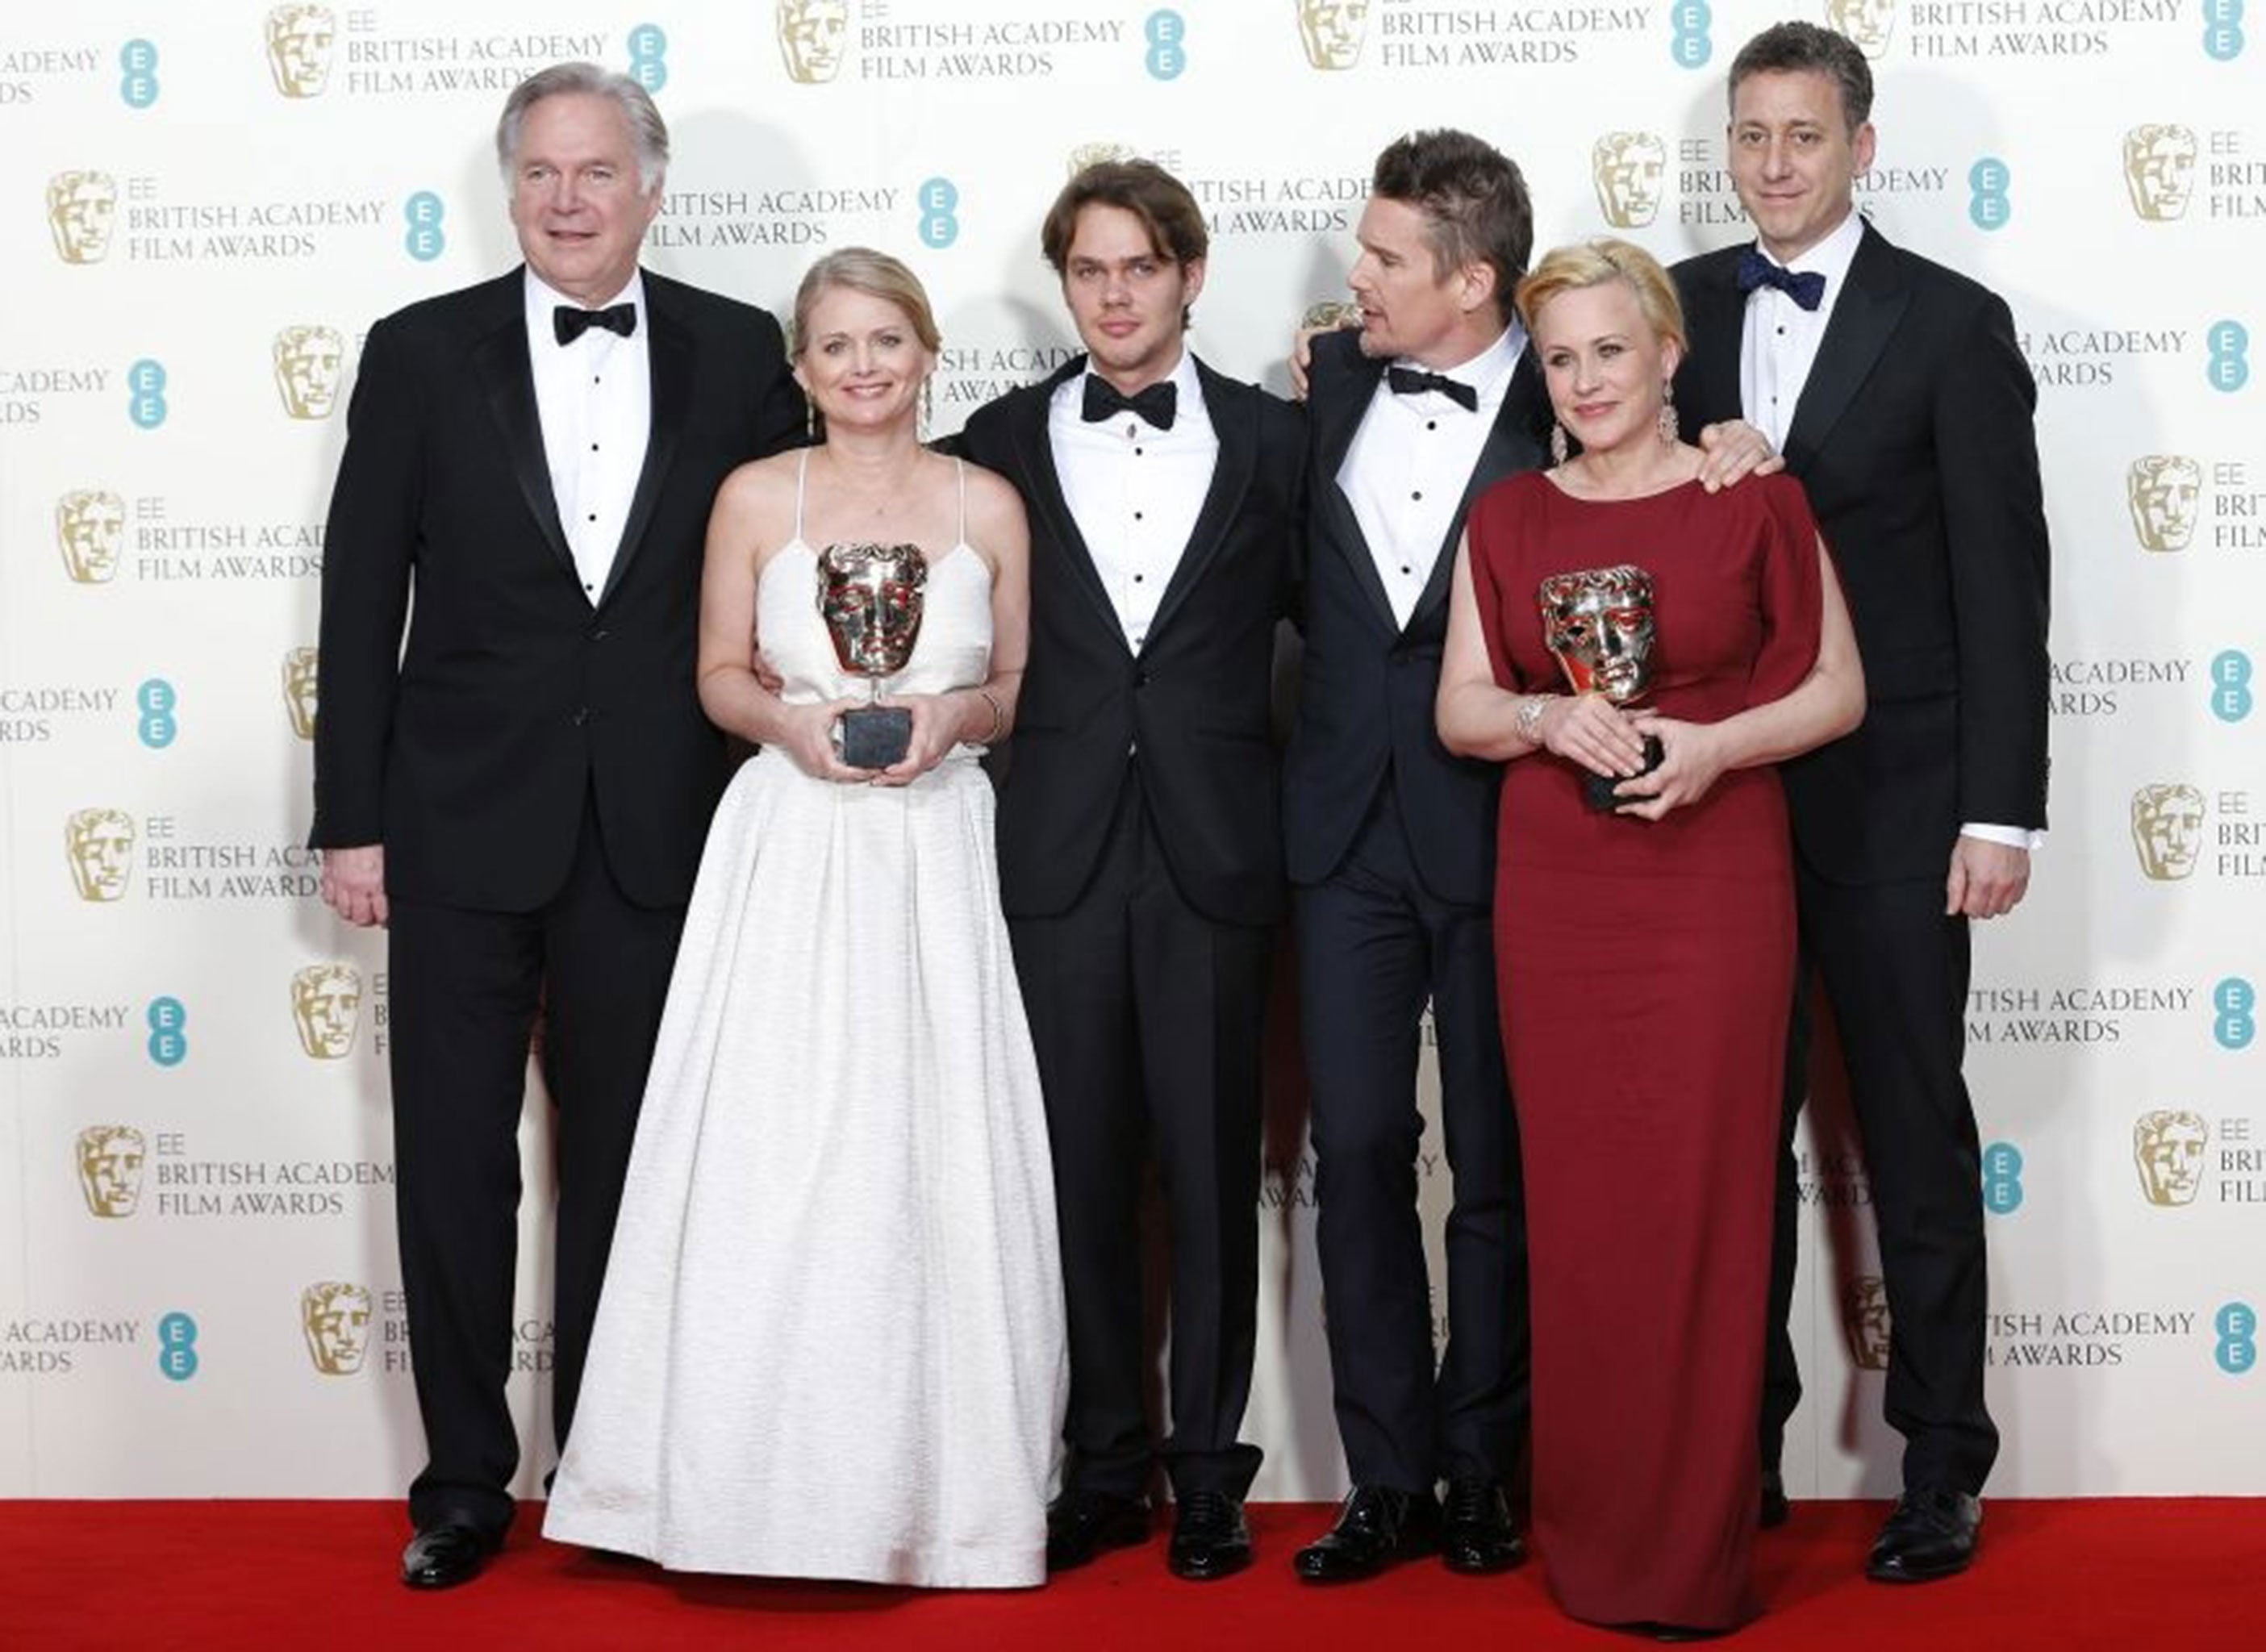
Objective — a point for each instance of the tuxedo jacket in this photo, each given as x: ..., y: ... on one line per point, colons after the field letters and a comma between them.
x: 1194, y: 702
x: 1914, y: 440
x: 469, y: 751
x: 1368, y: 681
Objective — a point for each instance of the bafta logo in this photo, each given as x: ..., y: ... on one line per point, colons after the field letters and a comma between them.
x: 1871, y: 24
x: 81, y: 208
x: 325, y: 1006
x: 2168, y: 1147
x: 812, y: 34
x: 110, y: 1169
x: 335, y: 1317
x: 308, y: 359
x: 2163, y: 491
x: 1627, y: 168
x: 100, y: 845
x: 2167, y: 830
x: 299, y: 679
x: 1100, y: 154
x: 299, y: 48
x: 1332, y: 31
x: 2159, y: 162
x: 90, y: 529
x: 1865, y: 1300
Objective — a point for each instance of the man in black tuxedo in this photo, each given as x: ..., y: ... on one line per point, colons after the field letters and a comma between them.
x: 1391, y: 850
x: 1900, y: 398
x: 1140, y: 854
x: 521, y: 794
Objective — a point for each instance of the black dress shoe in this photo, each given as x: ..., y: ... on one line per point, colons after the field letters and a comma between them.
x: 1209, y: 1537
x: 1377, y: 1525
x: 1930, y: 1534
x: 1082, y: 1523
x: 1477, y: 1533
x: 1776, y: 1510
x: 443, y: 1556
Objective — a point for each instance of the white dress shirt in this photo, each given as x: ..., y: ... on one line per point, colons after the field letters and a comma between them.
x: 1405, y: 470
x: 1778, y: 345
x: 595, y: 400
x: 1135, y: 491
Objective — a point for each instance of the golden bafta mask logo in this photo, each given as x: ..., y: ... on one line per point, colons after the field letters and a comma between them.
x: 100, y: 845
x: 326, y: 1007
x: 301, y: 673
x: 1332, y: 31
x: 90, y: 530
x: 81, y: 210
x: 335, y: 1317
x: 308, y: 360
x: 299, y: 48
x: 2163, y: 491
x: 1627, y: 168
x: 812, y: 34
x: 1865, y: 1302
x: 110, y: 1169
x: 2168, y: 1147
x: 1871, y: 24
x: 2167, y: 830
x: 2160, y: 162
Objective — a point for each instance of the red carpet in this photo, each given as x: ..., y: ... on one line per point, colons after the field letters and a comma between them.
x: 2139, y: 1574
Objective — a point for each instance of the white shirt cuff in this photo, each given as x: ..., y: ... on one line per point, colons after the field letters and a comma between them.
x: 2012, y: 836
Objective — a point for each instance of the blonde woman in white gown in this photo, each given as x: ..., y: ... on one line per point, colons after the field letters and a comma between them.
x: 832, y: 1339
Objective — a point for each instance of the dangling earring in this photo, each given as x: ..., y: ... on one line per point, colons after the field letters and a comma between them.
x: 1557, y: 443
x: 1668, y: 415
x: 809, y: 422
x: 927, y: 407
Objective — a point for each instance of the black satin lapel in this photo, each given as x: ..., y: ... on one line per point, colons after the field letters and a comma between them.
x: 1513, y: 445
x: 1863, y: 317
x: 1334, y: 426
x: 670, y: 355
x: 1719, y: 321
x: 1234, y: 415
x: 1051, y: 517
x: 500, y: 360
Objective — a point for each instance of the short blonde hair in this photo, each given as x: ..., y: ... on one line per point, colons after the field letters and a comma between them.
x: 861, y: 269
x: 1593, y: 263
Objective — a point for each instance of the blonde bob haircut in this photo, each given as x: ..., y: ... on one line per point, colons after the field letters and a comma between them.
x: 1592, y: 264
x: 861, y: 269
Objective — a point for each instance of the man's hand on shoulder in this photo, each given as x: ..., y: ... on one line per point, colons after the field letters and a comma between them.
x: 1734, y: 449
x: 353, y: 883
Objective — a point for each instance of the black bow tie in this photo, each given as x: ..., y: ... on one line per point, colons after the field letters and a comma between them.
x: 570, y: 323
x: 1104, y: 401
x: 1807, y: 288
x: 1409, y: 381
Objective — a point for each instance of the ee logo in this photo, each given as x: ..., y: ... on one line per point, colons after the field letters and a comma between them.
x: 2229, y: 368
x: 1988, y: 207
x: 169, y: 1045
x: 176, y: 1346
x: 939, y: 218
x: 1167, y: 33
x: 138, y: 62
x: 2235, y: 1023
x: 157, y: 724
x: 648, y: 46
x: 145, y: 382
x: 2237, y: 1324
x: 2002, y: 1178
x: 426, y: 240
x: 1690, y: 45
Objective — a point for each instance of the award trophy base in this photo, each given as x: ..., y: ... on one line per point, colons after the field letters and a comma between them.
x: 875, y: 736
x: 1598, y: 789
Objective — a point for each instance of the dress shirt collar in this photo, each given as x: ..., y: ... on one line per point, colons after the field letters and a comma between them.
x: 1489, y: 372
x: 542, y: 297
x: 1831, y: 257
x: 1188, y: 395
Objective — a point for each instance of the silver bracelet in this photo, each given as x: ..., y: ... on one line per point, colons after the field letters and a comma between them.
x: 1526, y: 721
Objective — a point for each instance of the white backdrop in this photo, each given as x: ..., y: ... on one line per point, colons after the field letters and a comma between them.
x: 207, y: 207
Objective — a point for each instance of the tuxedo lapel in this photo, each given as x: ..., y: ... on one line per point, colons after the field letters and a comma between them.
x: 1233, y: 410
x: 1717, y: 318
x: 1051, y: 519
x: 1864, y: 316
x: 500, y: 360
x: 670, y: 351
x: 1511, y: 445
x: 1337, y: 418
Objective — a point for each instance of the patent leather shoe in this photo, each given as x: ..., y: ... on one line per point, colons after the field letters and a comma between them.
x: 1775, y: 1509
x: 1082, y: 1523
x: 1376, y: 1527
x: 1931, y: 1533
x: 445, y: 1556
x: 1477, y: 1534
x: 1210, y: 1538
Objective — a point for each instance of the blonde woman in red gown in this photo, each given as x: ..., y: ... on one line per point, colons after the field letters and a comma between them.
x: 1646, y: 951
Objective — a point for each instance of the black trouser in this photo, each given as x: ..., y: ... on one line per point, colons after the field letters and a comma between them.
x: 1373, y: 944
x: 465, y: 987
x: 1149, y: 1019
x: 1896, y: 972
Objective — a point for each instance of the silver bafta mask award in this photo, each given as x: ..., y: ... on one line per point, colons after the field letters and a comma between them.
x: 871, y: 598
x: 1599, y: 625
